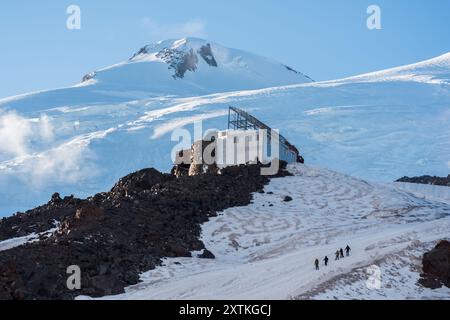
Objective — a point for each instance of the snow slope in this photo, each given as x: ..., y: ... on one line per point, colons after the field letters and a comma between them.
x: 267, y: 252
x: 81, y: 140
x: 436, y: 70
x: 429, y: 192
x: 399, y: 275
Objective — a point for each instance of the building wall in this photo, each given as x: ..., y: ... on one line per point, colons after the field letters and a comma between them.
x: 230, y: 148
x: 235, y: 147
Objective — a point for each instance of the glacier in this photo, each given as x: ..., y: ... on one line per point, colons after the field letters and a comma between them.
x: 79, y: 140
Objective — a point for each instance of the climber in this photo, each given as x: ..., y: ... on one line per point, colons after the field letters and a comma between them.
x: 326, y: 261
x: 337, y: 255
x: 316, y: 263
x: 347, y: 250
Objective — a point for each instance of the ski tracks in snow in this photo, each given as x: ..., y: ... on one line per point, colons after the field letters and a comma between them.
x: 266, y: 250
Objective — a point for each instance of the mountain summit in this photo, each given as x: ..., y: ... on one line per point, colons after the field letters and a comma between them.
x: 195, y: 65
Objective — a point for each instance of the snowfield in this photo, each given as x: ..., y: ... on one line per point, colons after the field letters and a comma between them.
x: 367, y: 130
x: 430, y: 192
x: 80, y: 140
x: 267, y: 252
x: 399, y: 275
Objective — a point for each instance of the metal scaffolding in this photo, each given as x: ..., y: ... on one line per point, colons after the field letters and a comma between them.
x: 239, y: 119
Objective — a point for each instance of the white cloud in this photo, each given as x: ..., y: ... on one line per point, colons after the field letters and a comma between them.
x: 29, y: 152
x: 68, y: 163
x: 25, y: 138
x: 160, y: 31
x: 17, y: 133
x: 46, y: 128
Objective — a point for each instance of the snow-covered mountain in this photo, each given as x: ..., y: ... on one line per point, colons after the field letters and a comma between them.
x: 193, y: 66
x: 367, y: 130
x: 80, y: 140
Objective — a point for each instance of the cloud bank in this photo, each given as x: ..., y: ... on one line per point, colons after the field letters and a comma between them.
x: 30, y: 152
x: 15, y: 132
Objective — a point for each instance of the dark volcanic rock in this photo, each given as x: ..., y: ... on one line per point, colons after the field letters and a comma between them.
x: 89, y: 213
x: 438, y: 181
x: 207, y: 55
x: 40, y: 219
x: 436, y: 266
x: 114, y: 236
x: 179, y: 61
x: 206, y: 254
x: 287, y: 199
x: 89, y: 76
x: 140, y: 181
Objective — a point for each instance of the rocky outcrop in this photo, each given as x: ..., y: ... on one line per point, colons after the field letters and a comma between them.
x: 89, y: 76
x: 192, y: 162
x: 437, y: 181
x: 436, y: 266
x: 206, y: 254
x: 40, y: 219
x: 115, y: 236
x: 179, y: 61
x: 207, y: 55
x: 139, y: 181
x: 142, y: 51
x: 297, y: 72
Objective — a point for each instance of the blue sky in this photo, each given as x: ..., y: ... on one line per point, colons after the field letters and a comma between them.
x: 325, y: 39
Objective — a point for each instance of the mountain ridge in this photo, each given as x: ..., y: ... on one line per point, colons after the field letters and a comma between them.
x: 202, y: 66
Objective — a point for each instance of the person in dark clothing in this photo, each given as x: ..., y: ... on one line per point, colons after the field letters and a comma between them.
x: 337, y: 255
x: 347, y: 250
x: 316, y: 263
x: 341, y: 252
x: 326, y: 261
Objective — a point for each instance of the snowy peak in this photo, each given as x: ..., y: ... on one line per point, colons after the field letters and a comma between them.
x: 198, y: 66
x: 181, y: 55
x: 184, y: 55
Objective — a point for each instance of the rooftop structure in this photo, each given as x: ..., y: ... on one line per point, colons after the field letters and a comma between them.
x: 247, y: 140
x: 241, y: 120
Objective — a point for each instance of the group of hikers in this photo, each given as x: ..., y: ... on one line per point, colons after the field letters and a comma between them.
x: 338, y: 255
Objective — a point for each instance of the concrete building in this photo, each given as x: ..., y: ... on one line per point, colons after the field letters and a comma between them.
x: 247, y: 141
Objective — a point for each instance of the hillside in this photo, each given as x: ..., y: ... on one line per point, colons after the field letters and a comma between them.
x: 114, y: 236
x: 259, y: 244
x: 266, y: 250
